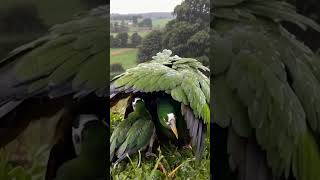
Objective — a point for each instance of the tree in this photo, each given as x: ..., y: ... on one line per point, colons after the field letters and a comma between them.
x: 135, y: 20
x: 116, y: 27
x: 123, y: 39
x: 151, y: 44
x: 123, y: 27
x: 136, y: 39
x: 188, y: 34
x: 114, y: 42
x: 193, y: 11
x: 146, y: 23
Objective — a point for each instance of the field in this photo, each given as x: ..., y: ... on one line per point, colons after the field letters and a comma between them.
x: 160, y: 23
x: 127, y: 57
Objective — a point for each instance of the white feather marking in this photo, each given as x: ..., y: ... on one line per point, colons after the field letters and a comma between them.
x: 77, y: 132
x: 171, y: 117
x: 135, y: 102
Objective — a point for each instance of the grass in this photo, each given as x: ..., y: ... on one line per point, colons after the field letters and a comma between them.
x: 127, y: 57
x: 170, y: 163
x: 35, y: 170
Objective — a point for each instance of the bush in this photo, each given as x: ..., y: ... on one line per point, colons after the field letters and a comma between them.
x: 122, y: 39
x: 136, y: 39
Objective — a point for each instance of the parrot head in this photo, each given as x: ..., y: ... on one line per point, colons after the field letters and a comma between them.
x: 88, y: 132
x: 138, y: 104
x: 171, y: 123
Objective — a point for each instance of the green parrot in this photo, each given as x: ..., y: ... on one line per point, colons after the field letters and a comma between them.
x: 53, y: 76
x: 167, y: 121
x: 170, y: 121
x: 181, y: 80
x: 266, y: 92
x: 120, y: 134
x: 134, y: 134
x: 90, y: 141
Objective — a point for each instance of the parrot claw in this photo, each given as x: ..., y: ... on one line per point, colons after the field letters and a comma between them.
x: 188, y: 146
x: 139, y: 159
x: 149, y: 154
x: 115, y: 165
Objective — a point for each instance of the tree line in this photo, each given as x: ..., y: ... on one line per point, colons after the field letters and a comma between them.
x: 121, y: 40
x: 123, y: 26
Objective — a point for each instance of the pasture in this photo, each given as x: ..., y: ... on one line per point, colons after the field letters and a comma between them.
x: 127, y: 57
x: 159, y: 23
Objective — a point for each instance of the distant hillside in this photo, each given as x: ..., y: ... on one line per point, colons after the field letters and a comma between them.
x: 151, y: 15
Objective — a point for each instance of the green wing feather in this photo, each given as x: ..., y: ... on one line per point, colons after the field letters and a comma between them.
x: 183, y: 81
x: 120, y: 133
x: 138, y: 137
x: 266, y: 84
x: 72, y: 56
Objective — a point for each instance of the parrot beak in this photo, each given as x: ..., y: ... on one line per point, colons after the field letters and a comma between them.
x: 174, y: 129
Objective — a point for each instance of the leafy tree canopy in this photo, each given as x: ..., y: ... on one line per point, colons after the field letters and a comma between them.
x: 187, y: 35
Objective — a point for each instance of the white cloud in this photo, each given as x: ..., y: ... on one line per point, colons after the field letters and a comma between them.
x: 142, y: 6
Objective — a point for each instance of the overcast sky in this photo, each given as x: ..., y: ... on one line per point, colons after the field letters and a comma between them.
x: 142, y: 6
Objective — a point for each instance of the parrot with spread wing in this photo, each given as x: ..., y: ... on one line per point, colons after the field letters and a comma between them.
x: 266, y: 93
x: 176, y: 94
x: 63, y: 71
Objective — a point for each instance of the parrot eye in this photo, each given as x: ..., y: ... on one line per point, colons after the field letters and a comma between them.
x: 167, y: 122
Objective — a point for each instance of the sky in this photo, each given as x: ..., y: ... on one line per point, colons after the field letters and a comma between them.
x: 142, y: 6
